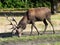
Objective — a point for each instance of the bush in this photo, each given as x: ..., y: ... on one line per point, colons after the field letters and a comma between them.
x: 24, y: 3
x: 0, y: 5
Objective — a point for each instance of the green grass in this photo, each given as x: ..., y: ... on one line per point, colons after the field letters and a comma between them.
x: 52, y: 39
x: 13, y: 9
x: 55, y: 16
x: 44, y: 37
x: 54, y: 43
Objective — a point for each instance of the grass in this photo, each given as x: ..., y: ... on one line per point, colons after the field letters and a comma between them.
x: 46, y: 39
x: 54, y: 43
x: 43, y: 39
x: 56, y: 16
x: 12, y: 9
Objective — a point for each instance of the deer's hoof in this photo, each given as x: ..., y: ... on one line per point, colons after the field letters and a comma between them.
x: 41, y: 34
x: 30, y: 34
x: 53, y: 32
x: 38, y: 33
x: 22, y: 33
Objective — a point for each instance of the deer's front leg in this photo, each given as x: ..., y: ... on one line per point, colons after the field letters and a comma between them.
x: 35, y: 27
x: 31, y: 30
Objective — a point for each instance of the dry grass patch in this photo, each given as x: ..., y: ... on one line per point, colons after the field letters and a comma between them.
x: 4, y: 27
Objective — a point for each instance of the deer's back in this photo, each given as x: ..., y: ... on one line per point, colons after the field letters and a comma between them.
x: 39, y: 13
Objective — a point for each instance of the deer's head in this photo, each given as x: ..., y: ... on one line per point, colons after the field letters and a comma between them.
x: 16, y: 27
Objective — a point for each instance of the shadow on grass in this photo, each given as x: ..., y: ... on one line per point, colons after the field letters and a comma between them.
x: 9, y: 34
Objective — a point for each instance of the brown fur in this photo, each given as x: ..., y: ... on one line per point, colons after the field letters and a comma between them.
x: 35, y: 14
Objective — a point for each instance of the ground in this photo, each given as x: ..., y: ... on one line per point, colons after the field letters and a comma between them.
x: 5, y: 28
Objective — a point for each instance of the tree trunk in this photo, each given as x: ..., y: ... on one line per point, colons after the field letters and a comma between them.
x: 53, y: 6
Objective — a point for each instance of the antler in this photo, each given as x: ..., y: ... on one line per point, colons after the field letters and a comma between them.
x: 8, y: 19
x: 11, y: 22
x: 14, y: 20
x: 13, y: 25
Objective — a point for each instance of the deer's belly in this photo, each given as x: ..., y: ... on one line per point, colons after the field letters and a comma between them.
x: 39, y: 19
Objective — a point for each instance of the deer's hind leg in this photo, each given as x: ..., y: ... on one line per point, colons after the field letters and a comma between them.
x: 46, y: 24
x: 49, y: 20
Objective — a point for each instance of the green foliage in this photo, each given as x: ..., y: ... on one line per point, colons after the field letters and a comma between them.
x: 24, y: 3
x: 0, y: 5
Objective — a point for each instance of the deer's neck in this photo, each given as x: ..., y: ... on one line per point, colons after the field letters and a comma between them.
x: 22, y: 24
x: 25, y: 19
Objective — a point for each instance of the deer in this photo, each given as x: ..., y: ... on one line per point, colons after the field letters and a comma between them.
x: 31, y: 16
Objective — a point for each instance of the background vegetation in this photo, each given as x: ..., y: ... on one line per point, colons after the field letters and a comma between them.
x: 23, y: 3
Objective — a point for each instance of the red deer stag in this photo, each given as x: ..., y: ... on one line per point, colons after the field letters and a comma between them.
x: 32, y: 15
